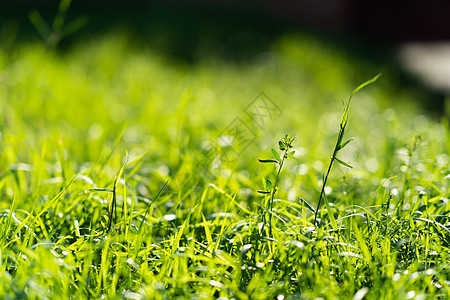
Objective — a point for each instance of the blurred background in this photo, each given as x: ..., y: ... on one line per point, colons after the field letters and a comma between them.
x: 168, y: 78
x: 409, y: 35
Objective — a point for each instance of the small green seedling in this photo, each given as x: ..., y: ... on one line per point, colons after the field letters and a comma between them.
x: 112, y: 205
x: 285, y: 146
x: 340, y: 144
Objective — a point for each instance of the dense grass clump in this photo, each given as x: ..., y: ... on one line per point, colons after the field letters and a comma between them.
x: 122, y: 175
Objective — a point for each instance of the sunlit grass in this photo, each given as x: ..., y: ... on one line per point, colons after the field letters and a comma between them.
x: 69, y: 119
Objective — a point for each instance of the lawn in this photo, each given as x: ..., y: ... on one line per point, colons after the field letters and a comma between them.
x: 126, y: 173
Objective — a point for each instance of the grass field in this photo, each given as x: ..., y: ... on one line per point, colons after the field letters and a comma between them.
x: 128, y: 174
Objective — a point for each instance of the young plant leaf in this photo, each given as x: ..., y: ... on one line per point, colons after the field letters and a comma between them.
x: 264, y: 192
x: 307, y: 205
x: 96, y: 190
x: 276, y: 155
x: 343, y: 163
x: 39, y: 23
x: 290, y: 154
x: 341, y: 146
x: 345, y: 116
x: 266, y: 161
x: 330, y: 214
x: 362, y: 85
x: 269, y: 184
x: 281, y: 145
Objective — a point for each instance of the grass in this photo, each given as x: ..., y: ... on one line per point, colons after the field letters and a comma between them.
x: 107, y: 191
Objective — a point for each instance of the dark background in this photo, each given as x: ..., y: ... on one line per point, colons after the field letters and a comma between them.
x: 391, y: 21
x: 238, y: 30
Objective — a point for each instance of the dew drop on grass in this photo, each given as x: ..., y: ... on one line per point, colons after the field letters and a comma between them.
x: 410, y: 294
x: 225, y: 141
x: 246, y: 247
x: 298, y: 244
x: 414, y: 276
x: 159, y: 285
x: 394, y: 192
x: 430, y: 271
x: 131, y: 295
x: 169, y: 217
x: 132, y: 263
x: 420, y: 167
x: 437, y: 285
x: 361, y: 293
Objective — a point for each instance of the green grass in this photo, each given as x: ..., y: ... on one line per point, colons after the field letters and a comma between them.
x: 91, y: 135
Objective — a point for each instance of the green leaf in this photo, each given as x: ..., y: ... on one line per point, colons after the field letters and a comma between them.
x: 116, y: 182
x: 290, y: 154
x: 97, y: 190
x: 345, y: 116
x: 415, y: 206
x: 281, y: 145
x: 39, y: 23
x: 75, y: 25
x: 341, y: 146
x: 276, y: 155
x: 266, y: 161
x: 154, y: 200
x: 64, y: 5
x: 269, y: 184
x: 104, y: 220
x: 208, y: 235
x: 136, y: 160
x: 264, y: 192
x: 343, y: 163
x: 361, y: 86
x: 423, y: 196
x: 330, y: 213
x: 307, y: 205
